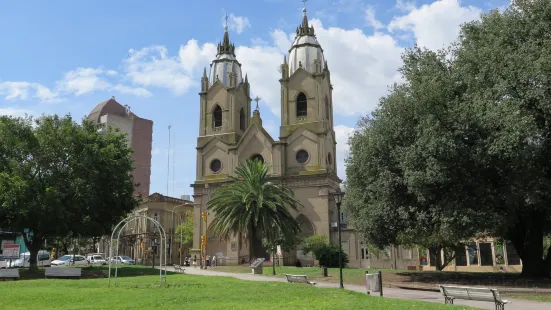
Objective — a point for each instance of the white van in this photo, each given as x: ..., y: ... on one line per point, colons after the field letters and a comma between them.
x: 42, y: 260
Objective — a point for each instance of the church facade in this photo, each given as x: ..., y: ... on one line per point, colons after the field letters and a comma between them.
x: 303, y: 157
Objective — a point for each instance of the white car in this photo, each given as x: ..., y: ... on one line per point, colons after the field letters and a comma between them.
x: 42, y: 260
x: 70, y: 260
x: 124, y: 260
x: 96, y: 260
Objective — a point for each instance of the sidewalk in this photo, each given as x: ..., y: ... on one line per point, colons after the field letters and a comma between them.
x: 517, y: 304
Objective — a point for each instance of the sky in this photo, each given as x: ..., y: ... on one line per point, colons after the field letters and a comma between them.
x: 64, y: 57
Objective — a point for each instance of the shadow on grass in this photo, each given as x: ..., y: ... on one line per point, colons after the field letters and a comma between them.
x: 467, y: 279
x: 95, y: 272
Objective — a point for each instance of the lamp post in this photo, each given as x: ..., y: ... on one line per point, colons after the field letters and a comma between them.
x: 338, y: 195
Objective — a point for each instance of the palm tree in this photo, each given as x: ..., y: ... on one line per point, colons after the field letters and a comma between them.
x: 253, y: 204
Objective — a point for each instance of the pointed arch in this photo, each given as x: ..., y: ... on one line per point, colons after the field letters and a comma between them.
x: 216, y: 116
x: 242, y: 120
x: 306, y: 227
x: 302, y: 105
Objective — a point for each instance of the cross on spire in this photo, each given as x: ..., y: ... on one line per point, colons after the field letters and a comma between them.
x: 226, y: 18
x: 304, y: 1
x: 257, y: 99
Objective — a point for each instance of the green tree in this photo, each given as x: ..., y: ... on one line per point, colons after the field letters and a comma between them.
x: 58, y: 179
x: 314, y: 244
x: 274, y: 238
x: 186, y: 228
x: 252, y: 203
x: 462, y: 147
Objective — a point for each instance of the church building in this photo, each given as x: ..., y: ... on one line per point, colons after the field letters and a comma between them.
x: 303, y: 158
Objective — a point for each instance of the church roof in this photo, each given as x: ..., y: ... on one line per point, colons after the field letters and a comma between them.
x: 226, y: 67
x: 305, y: 52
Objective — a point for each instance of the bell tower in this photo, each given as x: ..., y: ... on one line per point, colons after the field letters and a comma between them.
x: 225, y: 97
x: 306, y: 103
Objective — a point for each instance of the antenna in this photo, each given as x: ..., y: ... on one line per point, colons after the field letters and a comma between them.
x: 173, y: 166
x: 168, y: 168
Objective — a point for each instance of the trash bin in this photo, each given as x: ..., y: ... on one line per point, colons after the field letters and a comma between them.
x: 324, y: 271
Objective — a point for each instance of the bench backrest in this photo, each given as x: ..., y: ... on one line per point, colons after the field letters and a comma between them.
x: 63, y: 272
x: 296, y: 278
x: 470, y: 293
x: 9, y: 273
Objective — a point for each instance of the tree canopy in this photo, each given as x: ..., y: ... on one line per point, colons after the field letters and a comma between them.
x: 253, y: 204
x: 59, y: 178
x: 462, y: 148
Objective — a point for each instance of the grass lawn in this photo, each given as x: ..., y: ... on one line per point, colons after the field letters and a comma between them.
x: 137, y: 288
x: 350, y: 275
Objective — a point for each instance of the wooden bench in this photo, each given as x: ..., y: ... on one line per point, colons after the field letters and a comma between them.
x: 9, y: 274
x: 178, y: 268
x: 61, y: 272
x: 293, y: 278
x: 470, y: 293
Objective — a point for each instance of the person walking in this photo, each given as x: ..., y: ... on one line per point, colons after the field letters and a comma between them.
x: 195, y: 260
x: 213, y: 264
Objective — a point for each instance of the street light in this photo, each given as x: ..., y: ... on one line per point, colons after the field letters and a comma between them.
x: 338, y: 195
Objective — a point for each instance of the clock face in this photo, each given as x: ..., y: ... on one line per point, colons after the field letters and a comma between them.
x: 302, y: 156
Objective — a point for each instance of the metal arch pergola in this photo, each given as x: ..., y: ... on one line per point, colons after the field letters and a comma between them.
x: 118, y: 229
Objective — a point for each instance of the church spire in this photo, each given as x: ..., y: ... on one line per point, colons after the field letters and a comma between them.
x: 226, y: 47
x: 303, y: 29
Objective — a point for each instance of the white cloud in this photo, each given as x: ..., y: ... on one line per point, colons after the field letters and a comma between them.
x: 437, y: 24
x: 22, y: 90
x: 153, y: 67
x: 237, y: 23
x: 342, y: 133
x: 83, y: 81
x: 371, y: 20
x: 15, y: 112
x: 405, y: 6
x: 88, y: 80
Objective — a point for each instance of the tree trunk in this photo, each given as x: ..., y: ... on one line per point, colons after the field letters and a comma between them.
x: 532, y: 251
x: 437, y: 253
x: 34, y: 246
x: 274, y: 251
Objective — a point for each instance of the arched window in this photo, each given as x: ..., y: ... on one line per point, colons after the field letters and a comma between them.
x: 302, y: 105
x: 258, y: 157
x: 242, y: 119
x: 217, y: 117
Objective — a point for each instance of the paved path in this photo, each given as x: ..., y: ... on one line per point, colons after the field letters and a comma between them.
x: 517, y: 304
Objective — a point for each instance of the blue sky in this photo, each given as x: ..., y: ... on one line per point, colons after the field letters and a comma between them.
x: 64, y: 56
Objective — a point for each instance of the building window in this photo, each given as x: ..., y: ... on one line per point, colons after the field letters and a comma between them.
x: 486, y: 254
x: 258, y: 157
x: 512, y: 256
x: 242, y: 119
x: 217, y: 116
x: 329, y: 159
x: 215, y: 166
x: 302, y: 105
x: 302, y: 156
x: 461, y: 256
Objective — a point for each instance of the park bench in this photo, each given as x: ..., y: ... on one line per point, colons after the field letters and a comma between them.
x: 293, y: 278
x: 178, y: 268
x: 61, y: 272
x: 9, y: 274
x: 469, y: 293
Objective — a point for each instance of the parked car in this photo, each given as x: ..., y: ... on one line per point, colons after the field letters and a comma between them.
x: 3, y: 263
x: 67, y: 260
x: 124, y: 260
x: 96, y: 260
x: 42, y: 260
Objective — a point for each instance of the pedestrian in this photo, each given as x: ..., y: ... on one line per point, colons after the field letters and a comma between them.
x: 195, y: 260
x: 208, y: 260
x: 213, y: 261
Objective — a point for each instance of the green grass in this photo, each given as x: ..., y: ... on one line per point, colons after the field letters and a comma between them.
x: 350, y: 275
x: 137, y: 290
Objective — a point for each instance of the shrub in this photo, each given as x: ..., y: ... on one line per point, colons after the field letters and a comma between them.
x: 329, y: 256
